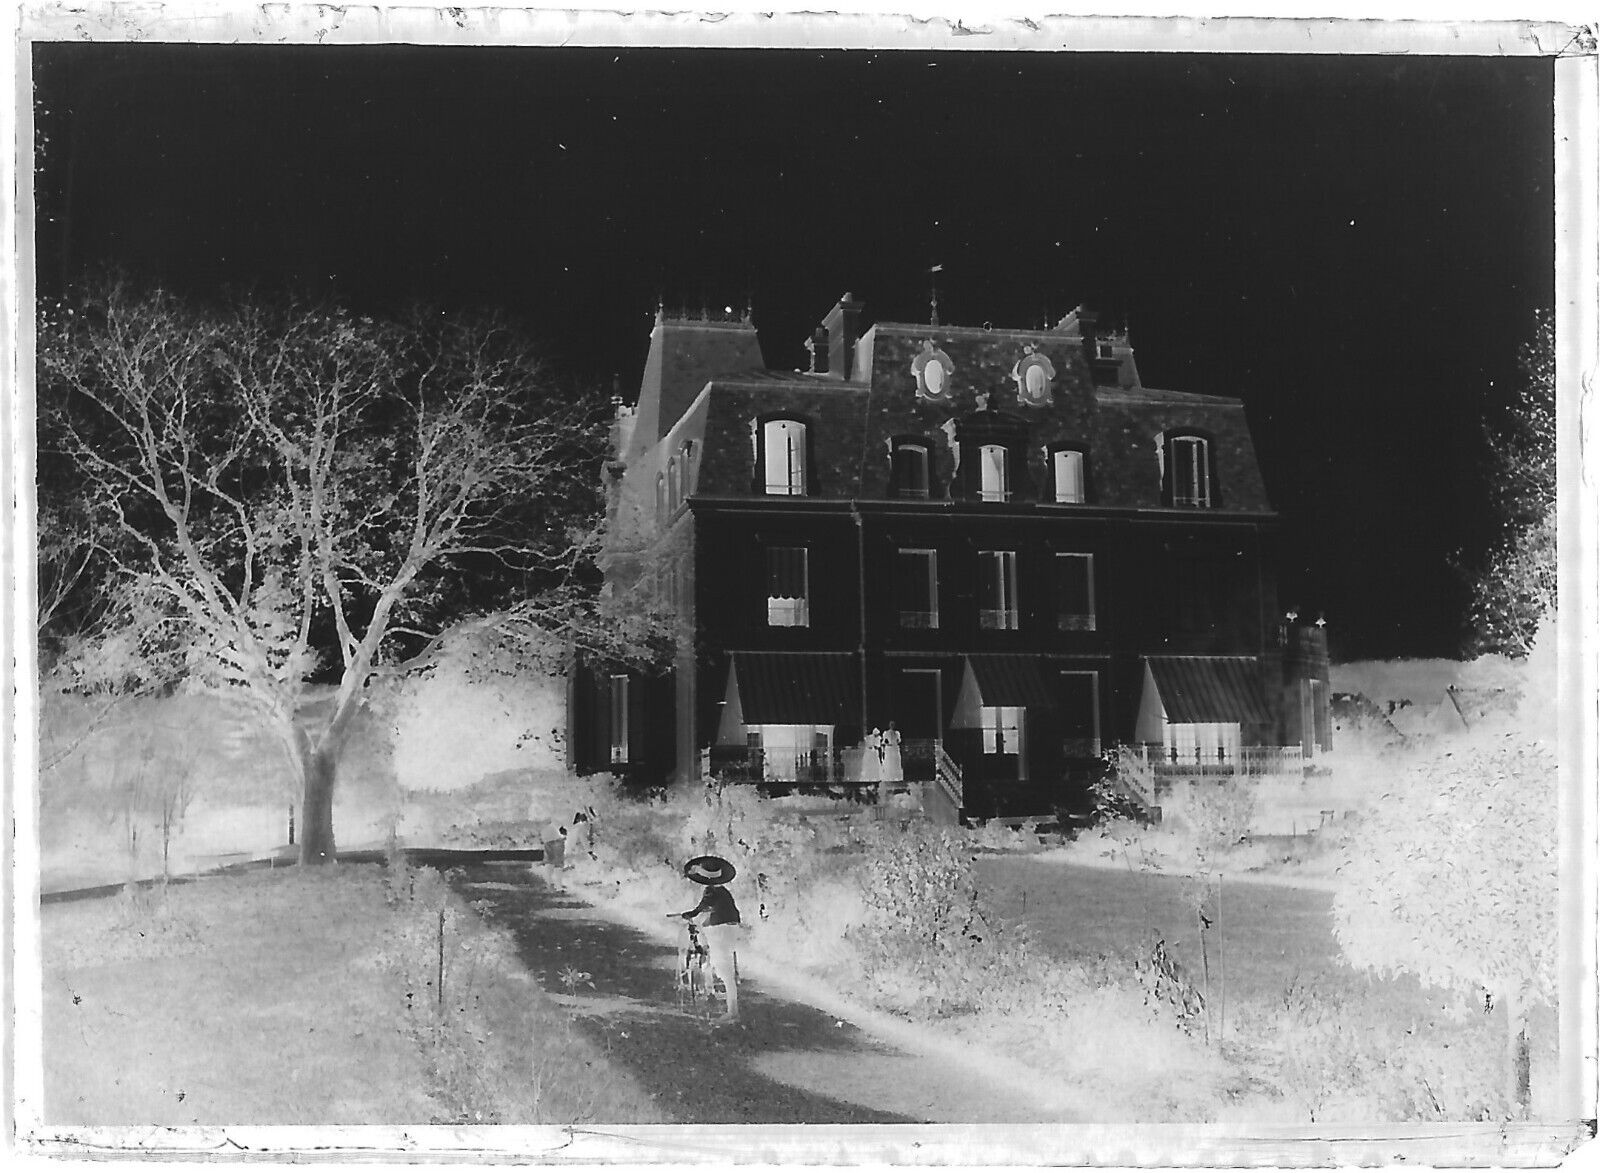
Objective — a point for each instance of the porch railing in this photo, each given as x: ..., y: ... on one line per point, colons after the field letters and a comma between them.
x: 1249, y: 761
x: 927, y: 768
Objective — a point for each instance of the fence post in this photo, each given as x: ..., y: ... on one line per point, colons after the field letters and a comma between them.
x: 439, y: 988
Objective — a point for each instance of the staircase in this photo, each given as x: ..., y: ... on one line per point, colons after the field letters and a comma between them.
x: 942, y: 798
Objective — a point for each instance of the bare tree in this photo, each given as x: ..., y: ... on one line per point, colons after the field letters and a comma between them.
x: 314, y: 494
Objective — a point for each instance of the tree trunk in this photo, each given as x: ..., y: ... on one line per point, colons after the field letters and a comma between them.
x: 316, y: 809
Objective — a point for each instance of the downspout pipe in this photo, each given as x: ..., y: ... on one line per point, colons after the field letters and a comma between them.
x: 861, y: 617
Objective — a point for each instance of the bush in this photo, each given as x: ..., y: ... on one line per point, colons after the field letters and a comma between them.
x: 927, y: 943
x: 1335, y: 1054
x: 1219, y: 815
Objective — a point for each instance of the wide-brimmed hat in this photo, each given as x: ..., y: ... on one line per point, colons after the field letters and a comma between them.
x: 708, y: 869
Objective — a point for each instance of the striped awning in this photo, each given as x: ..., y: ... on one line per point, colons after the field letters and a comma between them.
x: 1207, y: 689
x: 798, y: 688
x: 1011, y: 680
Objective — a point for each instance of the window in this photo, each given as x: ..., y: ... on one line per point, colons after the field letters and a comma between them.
x: 1080, y: 714
x: 1074, y: 592
x: 1202, y: 744
x: 909, y: 470
x: 674, y: 485
x: 1066, y: 468
x: 788, y: 603
x: 1188, y: 471
x: 1001, y: 729
x: 993, y: 485
x: 794, y: 753
x: 917, y: 588
x: 619, y: 720
x: 661, y: 497
x: 784, y: 457
x: 997, y: 590
x: 1196, y: 583
x: 690, y: 460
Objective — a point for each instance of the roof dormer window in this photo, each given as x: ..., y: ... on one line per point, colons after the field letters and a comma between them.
x: 783, y: 455
x: 908, y: 472
x: 1187, y: 476
x: 993, y: 482
x: 1066, y: 477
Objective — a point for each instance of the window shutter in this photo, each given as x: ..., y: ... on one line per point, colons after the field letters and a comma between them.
x: 786, y: 572
x: 909, y: 586
x: 1072, y: 584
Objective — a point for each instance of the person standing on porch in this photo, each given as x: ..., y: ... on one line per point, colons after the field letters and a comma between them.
x: 872, y: 757
x: 891, y: 769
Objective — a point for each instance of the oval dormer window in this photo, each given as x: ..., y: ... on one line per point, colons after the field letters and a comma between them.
x: 932, y: 369
x: 1033, y: 373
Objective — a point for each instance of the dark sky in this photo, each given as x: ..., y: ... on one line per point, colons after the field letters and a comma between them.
x: 1355, y: 246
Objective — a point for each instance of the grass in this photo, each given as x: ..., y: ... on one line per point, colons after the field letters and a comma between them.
x: 280, y: 997
x: 1267, y: 935
x: 1287, y: 1011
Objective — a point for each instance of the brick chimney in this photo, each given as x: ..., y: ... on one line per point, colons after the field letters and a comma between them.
x: 1088, y: 326
x: 843, y: 324
x: 817, y: 346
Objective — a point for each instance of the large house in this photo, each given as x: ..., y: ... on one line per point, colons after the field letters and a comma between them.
x: 1000, y: 540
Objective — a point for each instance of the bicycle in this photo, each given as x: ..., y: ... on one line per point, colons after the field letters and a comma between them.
x: 694, y: 973
x: 696, y: 981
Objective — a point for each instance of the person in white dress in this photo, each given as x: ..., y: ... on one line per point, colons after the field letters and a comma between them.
x: 872, y: 757
x: 893, y: 770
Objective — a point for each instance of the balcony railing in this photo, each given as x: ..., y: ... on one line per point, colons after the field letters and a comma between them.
x: 1068, y: 622
x: 920, y: 620
x: 991, y: 619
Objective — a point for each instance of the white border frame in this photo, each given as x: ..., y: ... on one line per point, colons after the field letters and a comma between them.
x: 956, y: 27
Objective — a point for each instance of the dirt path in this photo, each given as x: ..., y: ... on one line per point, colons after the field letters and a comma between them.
x: 786, y: 1063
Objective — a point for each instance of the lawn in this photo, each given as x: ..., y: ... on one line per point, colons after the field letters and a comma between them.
x: 304, y: 996
x: 1264, y: 935
x: 1288, y: 1011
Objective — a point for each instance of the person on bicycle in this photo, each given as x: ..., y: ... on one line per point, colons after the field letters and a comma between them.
x: 718, y: 918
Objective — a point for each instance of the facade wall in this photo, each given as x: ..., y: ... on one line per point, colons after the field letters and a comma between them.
x: 1169, y: 581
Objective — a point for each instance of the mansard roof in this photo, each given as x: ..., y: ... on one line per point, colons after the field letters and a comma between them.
x: 854, y: 422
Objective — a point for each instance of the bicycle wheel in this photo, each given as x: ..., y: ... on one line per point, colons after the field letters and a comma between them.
x: 696, y: 985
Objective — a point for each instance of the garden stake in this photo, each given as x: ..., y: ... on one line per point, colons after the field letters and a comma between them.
x: 1205, y: 964
x: 1222, y: 969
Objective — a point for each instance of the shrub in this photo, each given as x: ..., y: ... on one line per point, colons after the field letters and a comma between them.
x: 1167, y: 987
x: 1219, y: 815
x: 927, y: 942
x: 1335, y: 1053
x: 1452, y: 879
